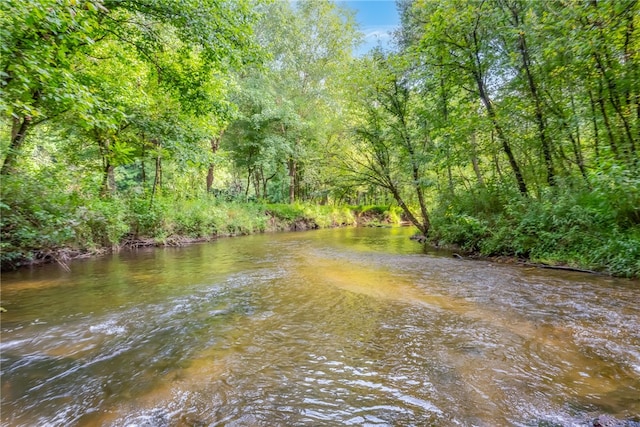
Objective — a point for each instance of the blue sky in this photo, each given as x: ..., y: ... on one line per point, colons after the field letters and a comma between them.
x: 377, y: 19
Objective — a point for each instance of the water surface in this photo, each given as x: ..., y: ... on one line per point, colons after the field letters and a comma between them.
x: 354, y: 326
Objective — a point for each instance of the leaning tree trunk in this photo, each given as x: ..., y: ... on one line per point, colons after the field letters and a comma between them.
x: 265, y: 182
x: 157, y: 180
x: 425, y: 224
x: 502, y: 137
x: 478, y: 77
x: 539, y: 115
x: 420, y: 225
x: 19, y: 129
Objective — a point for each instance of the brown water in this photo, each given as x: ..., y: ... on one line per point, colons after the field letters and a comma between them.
x: 335, y: 327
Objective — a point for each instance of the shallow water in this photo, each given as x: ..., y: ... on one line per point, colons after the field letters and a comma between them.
x: 355, y: 326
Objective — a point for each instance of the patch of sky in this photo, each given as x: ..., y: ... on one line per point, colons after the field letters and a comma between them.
x: 378, y: 19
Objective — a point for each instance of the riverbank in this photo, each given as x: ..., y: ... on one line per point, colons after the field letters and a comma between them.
x: 577, y: 231
x: 45, y: 233
x: 596, y: 229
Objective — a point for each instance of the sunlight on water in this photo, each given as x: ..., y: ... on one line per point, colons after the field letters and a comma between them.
x: 333, y: 327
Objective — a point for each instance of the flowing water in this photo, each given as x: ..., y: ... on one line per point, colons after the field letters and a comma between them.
x: 354, y: 326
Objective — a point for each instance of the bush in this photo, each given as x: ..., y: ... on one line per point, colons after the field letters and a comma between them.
x: 462, y: 230
x: 244, y: 219
x: 146, y: 219
x: 33, y: 217
x: 193, y: 218
x: 285, y: 212
x: 100, y: 223
x: 594, y: 228
x: 378, y: 214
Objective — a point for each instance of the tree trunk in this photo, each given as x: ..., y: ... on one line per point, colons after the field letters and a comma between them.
x: 607, y: 124
x: 265, y: 183
x: 400, y: 113
x: 594, y: 121
x: 614, y: 99
x: 292, y: 180
x: 249, y: 175
x: 445, y: 115
x: 474, y: 159
x: 522, y: 187
x: 449, y: 175
x: 215, y: 144
x: 575, y: 139
x: 256, y: 182
x: 19, y: 129
x: 478, y: 76
x: 157, y: 180
x: 539, y: 115
x: 426, y: 223
x: 210, y: 177
x: 577, y: 144
x: 424, y: 229
x: 142, y: 168
x: 108, y: 172
x: 18, y: 134
x: 108, y: 179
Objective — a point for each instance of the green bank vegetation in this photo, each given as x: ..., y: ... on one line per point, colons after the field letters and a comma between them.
x: 503, y: 127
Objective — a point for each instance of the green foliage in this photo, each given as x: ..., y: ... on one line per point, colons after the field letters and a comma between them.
x: 238, y: 219
x: 134, y: 78
x: 595, y: 228
x: 311, y: 216
x: 287, y: 108
x: 100, y: 223
x: 195, y: 218
x: 373, y: 209
x: 36, y: 218
x: 285, y: 211
x: 147, y: 219
x: 378, y: 214
x: 390, y: 132
x: 329, y: 216
x: 462, y: 230
x: 39, y: 224
x: 31, y: 220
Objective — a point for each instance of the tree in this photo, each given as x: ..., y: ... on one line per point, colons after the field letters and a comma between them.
x: 517, y: 13
x: 310, y: 42
x: 391, y: 135
x: 459, y: 37
x: 48, y: 45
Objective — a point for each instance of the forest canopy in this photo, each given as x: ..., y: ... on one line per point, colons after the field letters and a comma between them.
x: 503, y: 127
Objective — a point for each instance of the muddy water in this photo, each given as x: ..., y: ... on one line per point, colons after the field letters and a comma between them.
x: 336, y: 327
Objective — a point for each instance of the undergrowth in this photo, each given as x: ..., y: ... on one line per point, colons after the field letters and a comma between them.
x: 37, y: 218
x: 594, y: 227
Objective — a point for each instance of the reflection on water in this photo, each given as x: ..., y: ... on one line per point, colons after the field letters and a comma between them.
x: 332, y: 327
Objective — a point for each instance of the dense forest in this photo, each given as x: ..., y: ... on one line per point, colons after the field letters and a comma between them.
x: 500, y: 127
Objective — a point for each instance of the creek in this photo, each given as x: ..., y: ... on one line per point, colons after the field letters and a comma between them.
x: 353, y: 326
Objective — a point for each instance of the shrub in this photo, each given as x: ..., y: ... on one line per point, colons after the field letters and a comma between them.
x: 378, y: 213
x: 101, y: 222
x: 146, y: 218
x: 589, y: 228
